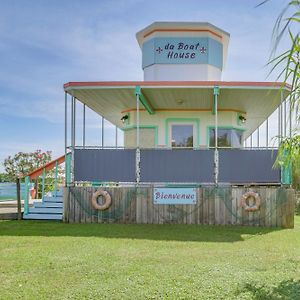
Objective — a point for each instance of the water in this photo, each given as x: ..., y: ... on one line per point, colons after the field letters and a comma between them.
x: 8, y: 191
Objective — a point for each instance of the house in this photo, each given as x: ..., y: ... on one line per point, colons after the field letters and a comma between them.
x: 184, y: 136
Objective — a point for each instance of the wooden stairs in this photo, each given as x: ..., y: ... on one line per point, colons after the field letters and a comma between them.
x: 50, y: 208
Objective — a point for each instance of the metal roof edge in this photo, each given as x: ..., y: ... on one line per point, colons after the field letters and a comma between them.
x: 179, y: 84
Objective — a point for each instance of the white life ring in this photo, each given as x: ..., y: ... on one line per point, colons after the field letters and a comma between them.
x: 251, y: 208
x: 107, y: 198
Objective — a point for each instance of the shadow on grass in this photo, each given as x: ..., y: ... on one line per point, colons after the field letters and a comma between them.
x: 196, y: 233
x: 288, y: 289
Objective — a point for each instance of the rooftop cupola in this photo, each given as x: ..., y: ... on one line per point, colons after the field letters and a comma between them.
x: 183, y: 51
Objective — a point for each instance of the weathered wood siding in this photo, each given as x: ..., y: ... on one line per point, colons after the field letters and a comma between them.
x: 215, y: 206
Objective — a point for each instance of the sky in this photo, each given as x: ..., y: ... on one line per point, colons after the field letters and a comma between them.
x: 44, y: 44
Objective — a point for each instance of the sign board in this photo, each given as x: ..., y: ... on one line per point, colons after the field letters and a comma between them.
x: 185, y: 50
x: 176, y: 195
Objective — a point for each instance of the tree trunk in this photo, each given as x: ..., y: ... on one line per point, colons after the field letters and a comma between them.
x: 19, y: 199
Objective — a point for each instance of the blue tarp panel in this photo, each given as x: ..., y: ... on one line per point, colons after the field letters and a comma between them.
x: 236, y: 166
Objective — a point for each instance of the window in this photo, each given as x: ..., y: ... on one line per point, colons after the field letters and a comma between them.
x: 182, y: 135
x: 226, y: 138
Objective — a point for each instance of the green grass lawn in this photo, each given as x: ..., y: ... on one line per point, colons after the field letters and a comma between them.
x: 49, y: 260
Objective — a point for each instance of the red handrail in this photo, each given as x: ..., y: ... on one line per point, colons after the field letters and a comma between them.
x: 50, y: 165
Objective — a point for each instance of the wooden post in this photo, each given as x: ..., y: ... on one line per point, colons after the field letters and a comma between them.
x: 19, y: 199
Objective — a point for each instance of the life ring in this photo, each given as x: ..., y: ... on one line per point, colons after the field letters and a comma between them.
x: 107, y: 198
x: 251, y: 208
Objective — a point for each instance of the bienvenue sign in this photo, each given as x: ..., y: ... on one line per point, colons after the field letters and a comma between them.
x: 174, y: 195
x: 203, y: 50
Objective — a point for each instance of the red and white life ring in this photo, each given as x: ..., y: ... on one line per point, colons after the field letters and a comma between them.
x: 106, y: 197
x: 247, y: 207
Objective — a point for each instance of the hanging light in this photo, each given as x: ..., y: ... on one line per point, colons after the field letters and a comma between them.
x: 242, y: 119
x: 124, y: 118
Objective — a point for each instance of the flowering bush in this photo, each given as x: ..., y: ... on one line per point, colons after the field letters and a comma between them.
x: 23, y: 163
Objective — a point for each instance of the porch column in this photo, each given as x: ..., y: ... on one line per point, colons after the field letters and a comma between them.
x: 285, y: 121
x: 267, y: 133
x: 138, y: 153
x: 290, y: 117
x: 66, y: 119
x: 83, y: 127
x: 140, y: 97
x: 279, y: 124
x: 73, y: 113
x: 102, y: 132
x: 116, y: 136
x: 74, y: 122
x: 281, y: 116
x: 216, y: 156
x: 66, y: 134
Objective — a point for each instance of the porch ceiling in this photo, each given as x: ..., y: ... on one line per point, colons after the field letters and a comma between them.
x: 109, y: 99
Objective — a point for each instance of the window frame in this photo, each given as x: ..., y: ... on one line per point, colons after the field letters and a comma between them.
x: 186, y: 123
x: 241, y: 131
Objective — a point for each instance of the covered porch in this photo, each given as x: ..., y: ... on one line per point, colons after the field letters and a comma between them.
x: 218, y: 119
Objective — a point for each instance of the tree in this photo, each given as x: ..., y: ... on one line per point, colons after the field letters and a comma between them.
x: 4, y: 177
x: 287, y: 66
x: 21, y: 164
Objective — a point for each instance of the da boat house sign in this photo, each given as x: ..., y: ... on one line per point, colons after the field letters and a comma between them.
x: 174, y: 196
x: 182, y: 51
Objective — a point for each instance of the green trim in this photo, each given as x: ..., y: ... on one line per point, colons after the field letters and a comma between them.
x: 182, y: 185
x: 102, y: 183
x: 144, y: 101
x: 213, y: 109
x: 138, y: 90
x: 216, y: 94
x: 286, y: 172
x: 182, y: 120
x: 216, y: 90
x: 286, y: 175
x: 220, y: 127
x: 131, y: 127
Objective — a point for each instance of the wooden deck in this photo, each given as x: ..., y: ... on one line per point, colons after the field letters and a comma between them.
x: 214, y: 206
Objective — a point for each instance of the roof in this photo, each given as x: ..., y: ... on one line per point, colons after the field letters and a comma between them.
x: 112, y: 99
x: 250, y: 84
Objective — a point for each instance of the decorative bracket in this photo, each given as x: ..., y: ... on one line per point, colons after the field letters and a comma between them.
x: 146, y: 103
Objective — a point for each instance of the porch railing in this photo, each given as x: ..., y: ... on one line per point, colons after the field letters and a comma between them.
x: 237, y: 166
x: 45, y: 179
